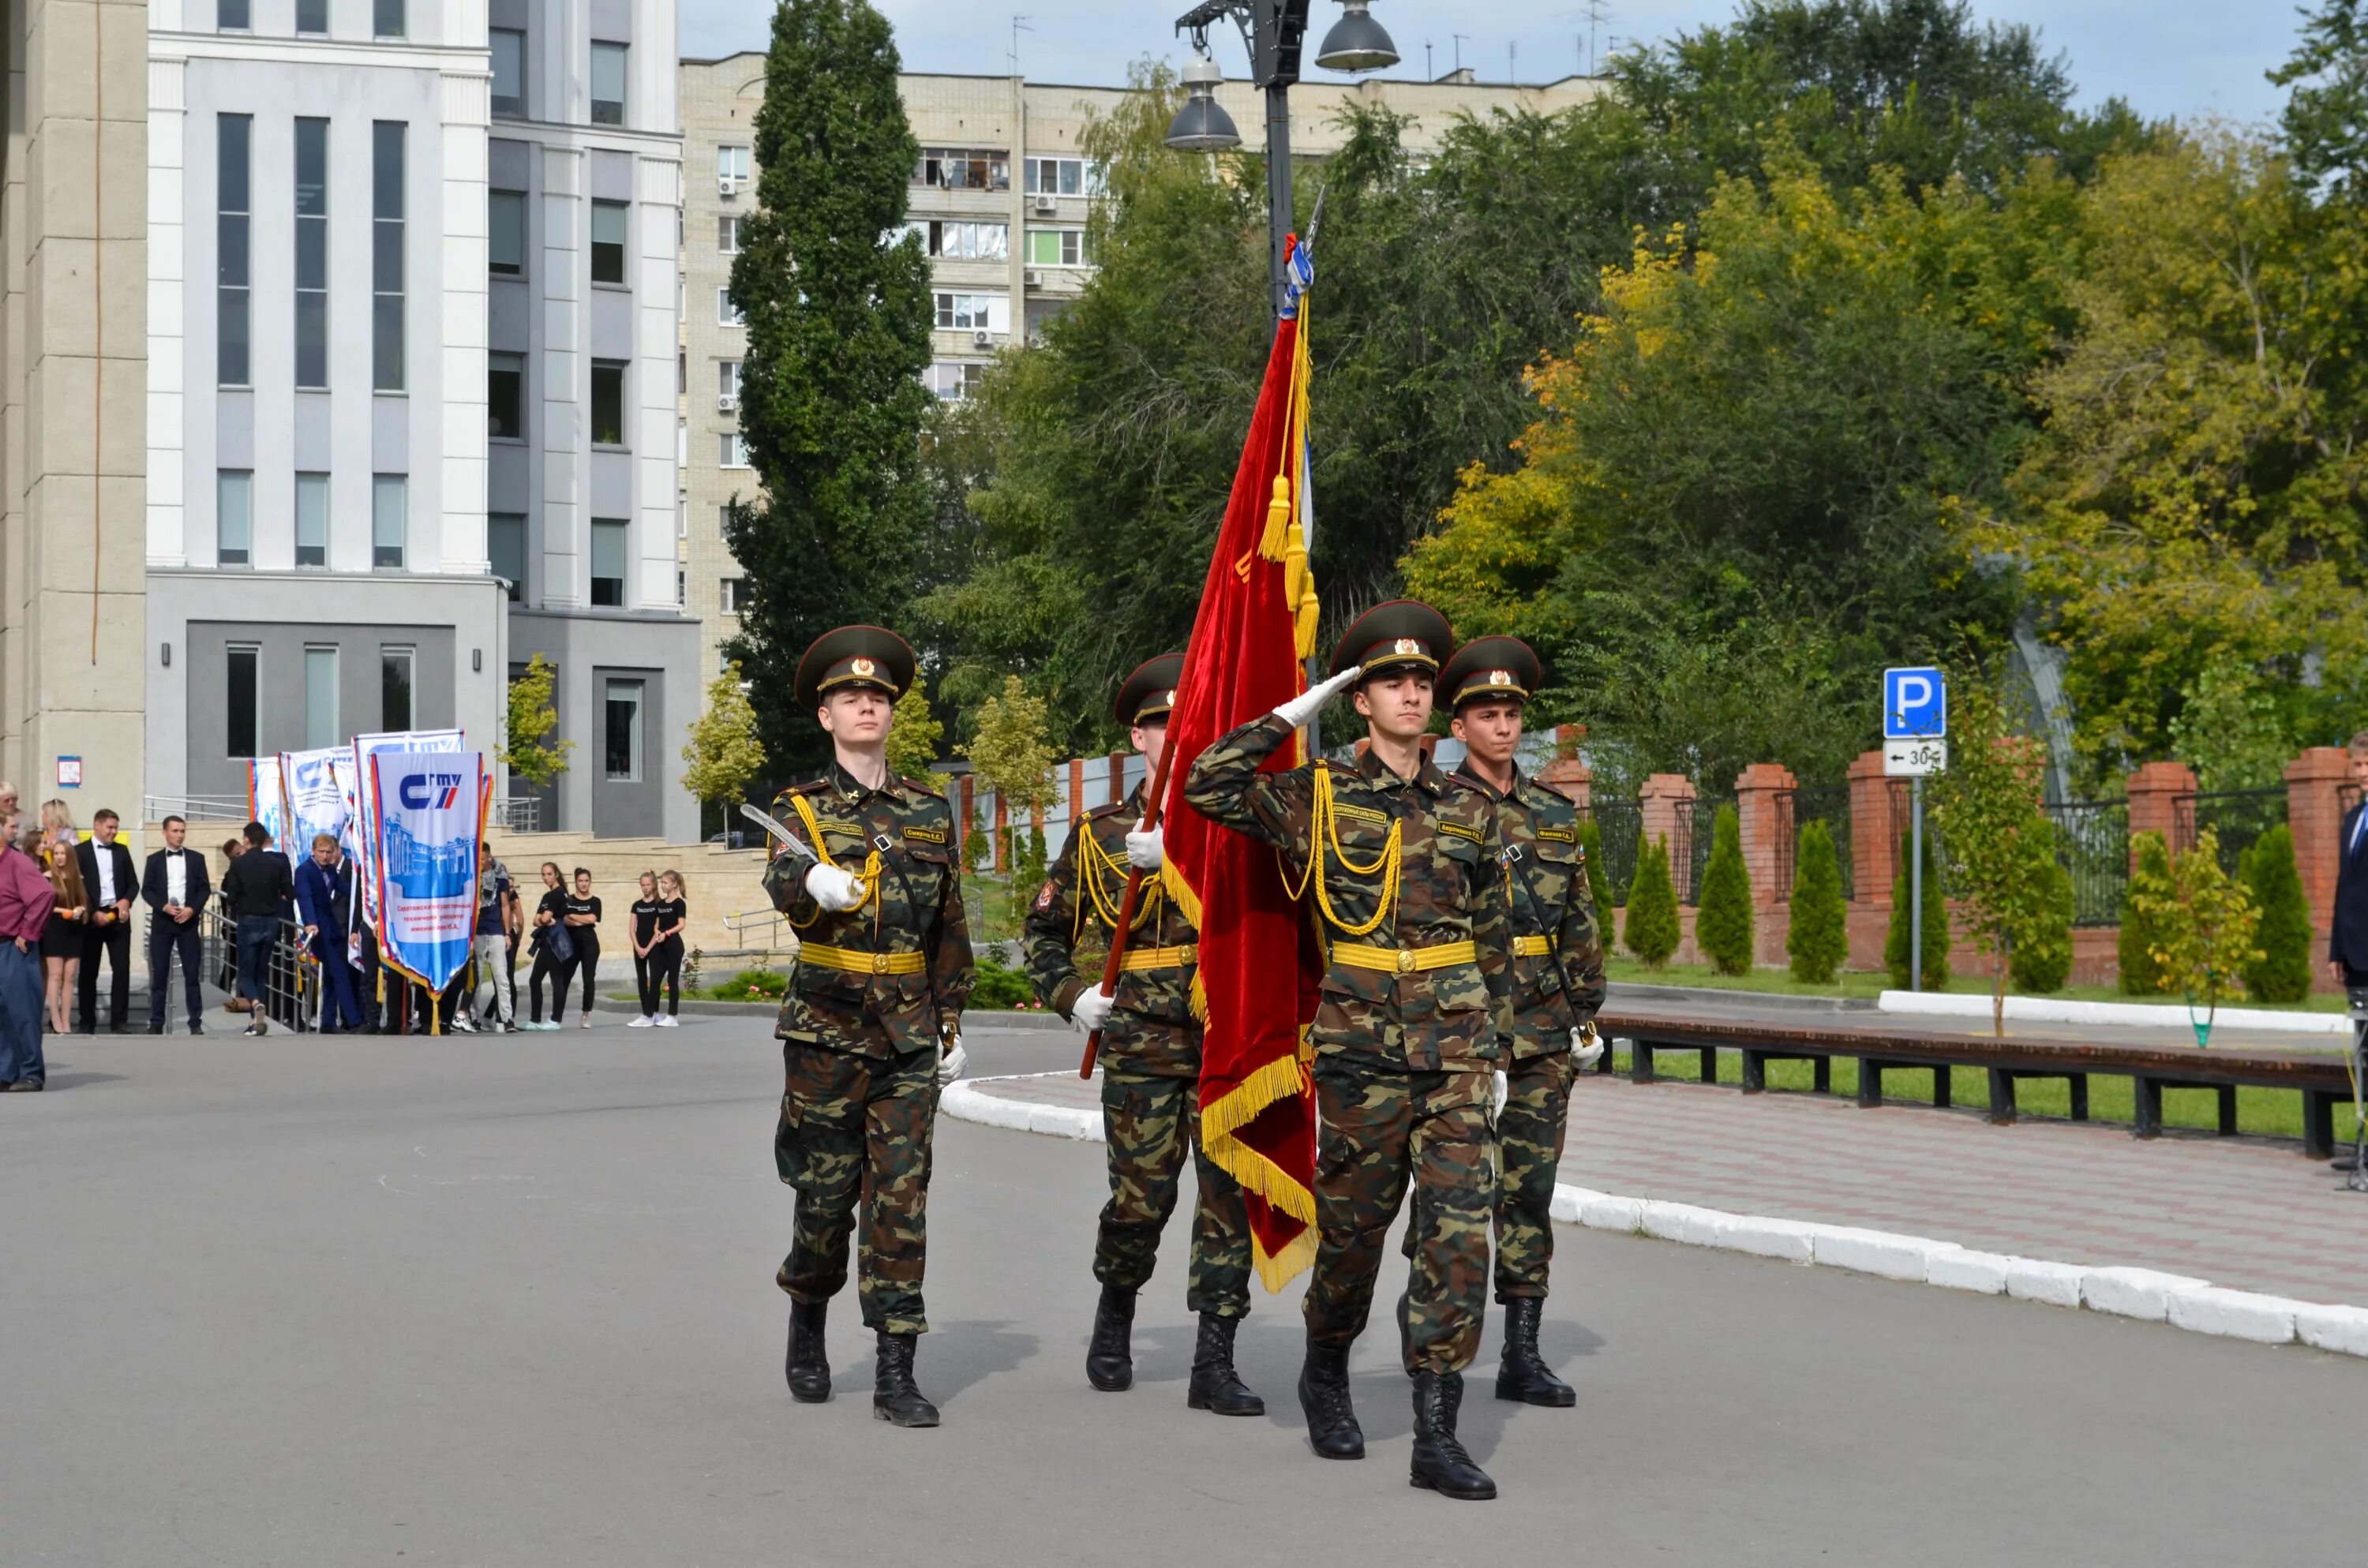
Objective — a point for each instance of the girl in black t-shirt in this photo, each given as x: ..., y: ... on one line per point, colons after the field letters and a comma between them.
x: 666, y: 954
x: 582, y: 923
x: 646, y: 936
x: 548, y: 965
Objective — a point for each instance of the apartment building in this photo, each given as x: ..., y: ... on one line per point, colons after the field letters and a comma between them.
x: 411, y: 386
x: 1000, y: 194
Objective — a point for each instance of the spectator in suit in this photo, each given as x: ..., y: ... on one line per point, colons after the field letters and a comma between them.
x: 105, y: 862
x: 258, y: 887
x: 175, y: 887
x: 330, y: 905
x: 2347, y: 949
x: 25, y: 899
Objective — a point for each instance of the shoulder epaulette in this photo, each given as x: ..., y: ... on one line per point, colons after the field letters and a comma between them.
x: 807, y: 787
x: 1108, y: 810
x: 1345, y: 770
x: 922, y: 787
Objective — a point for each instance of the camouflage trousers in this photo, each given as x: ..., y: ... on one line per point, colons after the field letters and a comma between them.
x: 1530, y: 1132
x: 1149, y: 1123
x: 855, y: 1133
x: 1382, y: 1129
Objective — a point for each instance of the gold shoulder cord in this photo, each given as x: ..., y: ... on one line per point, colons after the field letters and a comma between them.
x: 1323, y: 825
x: 869, y: 877
x: 1094, y: 866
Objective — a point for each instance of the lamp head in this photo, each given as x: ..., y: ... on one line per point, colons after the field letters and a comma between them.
x: 1202, y: 125
x: 1357, y: 42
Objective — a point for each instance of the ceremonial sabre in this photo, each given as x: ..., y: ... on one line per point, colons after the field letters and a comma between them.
x: 766, y: 820
x: 1152, y: 799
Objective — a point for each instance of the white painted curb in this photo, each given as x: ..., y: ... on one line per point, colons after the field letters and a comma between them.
x: 2049, y: 1010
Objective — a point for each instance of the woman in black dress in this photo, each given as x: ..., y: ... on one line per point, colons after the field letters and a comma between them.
x: 52, y: 845
x: 583, y: 922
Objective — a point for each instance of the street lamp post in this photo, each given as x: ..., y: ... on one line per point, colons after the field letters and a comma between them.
x: 1274, y: 30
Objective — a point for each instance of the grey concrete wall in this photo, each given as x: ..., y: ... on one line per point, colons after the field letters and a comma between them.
x: 660, y: 651
x: 279, y: 709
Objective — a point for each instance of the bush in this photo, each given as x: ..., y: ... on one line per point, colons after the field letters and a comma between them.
x: 1819, y: 939
x: 1723, y: 923
x: 754, y: 985
x: 1651, y: 931
x: 2286, y: 937
x: 974, y: 851
x: 1936, y: 924
x: 2041, y: 959
x: 1000, y: 988
x: 2142, y: 935
x: 1599, y: 880
x: 1027, y: 871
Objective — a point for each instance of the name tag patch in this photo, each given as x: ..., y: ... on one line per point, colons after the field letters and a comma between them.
x: 1559, y: 834
x: 927, y: 835
x: 1457, y: 830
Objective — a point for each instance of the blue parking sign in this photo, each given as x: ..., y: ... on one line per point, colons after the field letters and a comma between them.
x: 1915, y: 705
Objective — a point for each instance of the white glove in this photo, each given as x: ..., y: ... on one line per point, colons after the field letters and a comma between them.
x: 1146, y: 848
x: 951, y: 1060
x: 1309, y: 703
x: 1091, y: 1010
x: 1499, y: 1090
x: 1587, y: 1045
x: 832, y: 888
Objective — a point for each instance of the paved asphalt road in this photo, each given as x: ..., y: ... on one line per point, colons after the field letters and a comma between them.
x: 494, y: 1301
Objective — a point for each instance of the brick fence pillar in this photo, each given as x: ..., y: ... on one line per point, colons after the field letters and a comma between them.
x: 2155, y: 791
x: 1076, y: 788
x: 1566, y: 774
x: 968, y: 812
x: 1874, y: 849
x: 2315, y: 789
x: 1665, y: 801
x: 1767, y: 825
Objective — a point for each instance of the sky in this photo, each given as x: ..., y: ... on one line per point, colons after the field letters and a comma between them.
x: 2187, y: 58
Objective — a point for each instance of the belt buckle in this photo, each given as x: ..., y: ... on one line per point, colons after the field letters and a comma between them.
x: 1406, y: 961
x: 880, y: 963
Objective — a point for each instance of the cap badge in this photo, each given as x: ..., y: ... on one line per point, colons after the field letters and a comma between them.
x: 1168, y: 699
x: 1500, y: 677
x: 1407, y: 645
x: 864, y: 667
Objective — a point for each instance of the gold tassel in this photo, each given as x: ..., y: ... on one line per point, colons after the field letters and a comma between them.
x: 1272, y: 543
x: 1275, y: 1272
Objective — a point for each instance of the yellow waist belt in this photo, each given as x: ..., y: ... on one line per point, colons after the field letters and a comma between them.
x: 851, y: 960
x: 1159, y: 958
x: 1531, y: 946
x: 1403, y: 960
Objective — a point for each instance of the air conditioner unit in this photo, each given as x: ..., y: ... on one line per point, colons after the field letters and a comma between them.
x: 726, y: 186
x: 1033, y: 279
x: 727, y: 402
x: 982, y: 339
x: 1047, y: 202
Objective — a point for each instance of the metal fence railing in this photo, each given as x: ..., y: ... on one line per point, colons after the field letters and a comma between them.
x: 2093, y: 842
x: 1697, y: 832
x: 1620, y: 824
x: 516, y: 813
x: 2237, y: 817
x: 291, y: 981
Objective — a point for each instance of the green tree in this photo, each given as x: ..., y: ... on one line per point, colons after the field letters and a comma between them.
x: 2288, y: 942
x: 1011, y: 755
x: 529, y: 748
x: 2206, y: 920
x: 1651, y: 931
x: 1818, y: 939
x: 1599, y: 880
x: 1723, y: 921
x: 724, y: 753
x: 1990, y: 805
x: 836, y: 297
x: 913, y: 738
x: 2326, y: 119
x: 1936, y: 922
x: 2041, y: 960
x: 2142, y: 935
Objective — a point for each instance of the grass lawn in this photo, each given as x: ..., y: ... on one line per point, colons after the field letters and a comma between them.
x: 1872, y: 982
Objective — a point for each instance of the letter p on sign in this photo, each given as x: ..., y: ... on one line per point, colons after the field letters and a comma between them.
x: 1914, y: 704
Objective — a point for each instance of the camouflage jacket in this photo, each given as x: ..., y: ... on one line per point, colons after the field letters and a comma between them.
x: 1546, y: 882
x: 915, y: 909
x: 1151, y: 1028
x: 1409, y: 1019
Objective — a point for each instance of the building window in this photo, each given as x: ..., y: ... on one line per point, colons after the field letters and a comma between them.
x: 622, y: 747
x: 607, y: 241
x: 954, y: 380
x: 732, y: 449
x: 609, y: 540
x: 395, y: 686
x: 313, y: 521
x: 731, y: 164
x: 386, y: 19
x: 963, y: 241
x: 233, y: 133
x: 510, y: 72
x: 727, y: 235
x: 390, y: 520
x: 386, y: 255
x: 312, y: 253
x: 240, y: 680
x: 506, y: 396
x: 1058, y: 247
x: 312, y: 15
x: 505, y: 546
x: 608, y: 403
x: 505, y: 232
x: 608, y: 83
x: 1062, y: 176
x: 734, y: 594
x: 974, y: 312
x: 727, y: 383
x: 235, y: 517
x: 963, y: 169
x: 680, y: 579
x: 320, y: 697
x: 233, y: 17
x: 726, y: 312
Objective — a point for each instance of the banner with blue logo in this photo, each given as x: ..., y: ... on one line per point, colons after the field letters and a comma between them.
x: 364, y: 846
x: 316, y: 805
x: 429, y: 812
x: 266, y: 802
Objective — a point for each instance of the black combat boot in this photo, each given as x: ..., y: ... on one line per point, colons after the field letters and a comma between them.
x: 1440, y: 1464
x: 894, y: 1397
x: 809, y: 1367
x: 1215, y: 1385
x: 1522, y: 1375
x: 1332, y: 1426
x: 1110, y: 1363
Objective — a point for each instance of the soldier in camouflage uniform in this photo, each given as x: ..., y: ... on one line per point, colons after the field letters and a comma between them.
x: 1151, y: 1070
x: 1415, y: 1012
x: 1558, y: 986
x: 870, y: 1025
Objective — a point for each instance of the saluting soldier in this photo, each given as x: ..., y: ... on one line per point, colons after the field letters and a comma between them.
x: 1415, y: 1010
x: 1151, y: 1069
x: 871, y: 1024
x: 1558, y: 986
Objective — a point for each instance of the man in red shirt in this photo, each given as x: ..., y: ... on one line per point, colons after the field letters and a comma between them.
x: 26, y: 901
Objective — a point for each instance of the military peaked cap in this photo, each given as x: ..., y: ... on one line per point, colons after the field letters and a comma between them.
x: 1486, y: 667
x: 855, y: 655
x: 1398, y: 634
x: 1150, y: 692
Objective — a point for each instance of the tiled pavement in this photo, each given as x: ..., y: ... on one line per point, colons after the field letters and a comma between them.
x: 2249, y: 1213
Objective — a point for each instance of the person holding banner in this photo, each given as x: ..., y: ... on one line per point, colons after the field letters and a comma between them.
x: 867, y: 871
x: 329, y: 897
